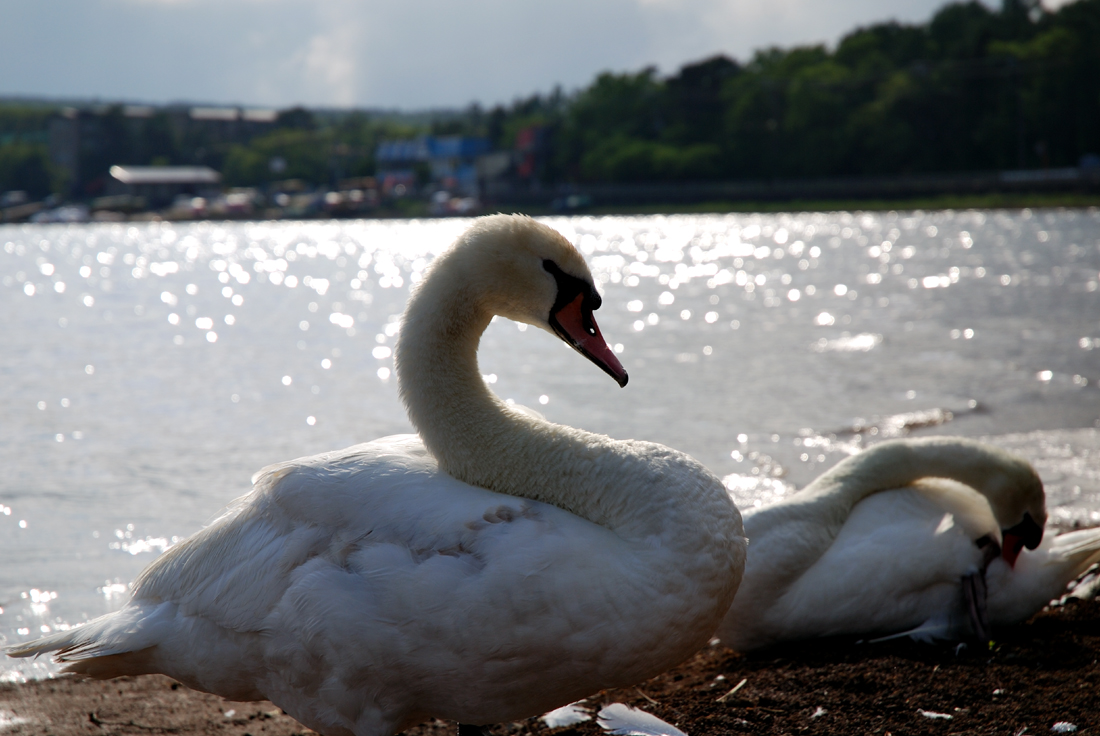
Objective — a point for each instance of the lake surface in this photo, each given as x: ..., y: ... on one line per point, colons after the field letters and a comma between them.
x: 147, y: 370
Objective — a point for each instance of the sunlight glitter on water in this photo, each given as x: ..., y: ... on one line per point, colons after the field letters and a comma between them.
x: 949, y: 322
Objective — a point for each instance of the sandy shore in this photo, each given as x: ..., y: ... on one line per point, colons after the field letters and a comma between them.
x: 1033, y: 676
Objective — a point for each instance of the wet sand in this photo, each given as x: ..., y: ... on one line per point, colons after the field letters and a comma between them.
x: 1031, y: 677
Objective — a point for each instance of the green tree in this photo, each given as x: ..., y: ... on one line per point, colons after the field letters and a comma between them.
x: 26, y: 166
x: 290, y: 153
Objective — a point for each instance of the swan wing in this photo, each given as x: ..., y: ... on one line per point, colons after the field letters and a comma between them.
x: 369, y: 574
x: 478, y: 605
x: 895, y: 563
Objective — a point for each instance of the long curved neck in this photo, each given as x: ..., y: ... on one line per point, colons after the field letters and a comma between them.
x: 898, y: 463
x: 482, y: 441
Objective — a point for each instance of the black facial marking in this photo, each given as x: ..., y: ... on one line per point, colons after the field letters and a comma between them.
x: 1028, y: 531
x: 568, y: 289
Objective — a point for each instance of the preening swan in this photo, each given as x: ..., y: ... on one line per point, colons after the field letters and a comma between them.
x: 894, y: 538
x: 492, y: 568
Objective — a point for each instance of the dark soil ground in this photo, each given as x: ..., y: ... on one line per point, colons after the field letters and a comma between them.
x: 1034, y: 675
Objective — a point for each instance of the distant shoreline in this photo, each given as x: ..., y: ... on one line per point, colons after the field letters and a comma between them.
x: 994, y: 201
x: 415, y: 209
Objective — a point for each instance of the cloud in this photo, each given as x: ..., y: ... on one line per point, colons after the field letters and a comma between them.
x: 496, y: 50
x: 326, y: 63
x: 410, y: 54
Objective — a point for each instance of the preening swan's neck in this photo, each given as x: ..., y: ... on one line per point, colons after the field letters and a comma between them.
x: 897, y: 464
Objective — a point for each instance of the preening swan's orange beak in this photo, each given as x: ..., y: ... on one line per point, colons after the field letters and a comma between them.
x: 1027, y: 533
x: 1011, y: 548
x: 575, y: 324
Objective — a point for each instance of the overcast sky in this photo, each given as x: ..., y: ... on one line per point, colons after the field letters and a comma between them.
x: 410, y: 54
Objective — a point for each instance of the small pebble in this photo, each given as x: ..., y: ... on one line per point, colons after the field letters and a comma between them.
x: 1063, y: 727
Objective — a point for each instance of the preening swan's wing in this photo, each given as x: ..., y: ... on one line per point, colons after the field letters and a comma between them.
x: 897, y: 560
x: 895, y: 563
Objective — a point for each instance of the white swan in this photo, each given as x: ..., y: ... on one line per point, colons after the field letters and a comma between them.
x: 494, y: 568
x: 892, y: 539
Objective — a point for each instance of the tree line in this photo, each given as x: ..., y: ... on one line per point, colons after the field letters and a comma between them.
x: 974, y: 88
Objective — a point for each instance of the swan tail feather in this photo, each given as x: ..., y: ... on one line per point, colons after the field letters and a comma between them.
x: 1083, y: 544
x: 120, y: 643
x: 1081, y: 551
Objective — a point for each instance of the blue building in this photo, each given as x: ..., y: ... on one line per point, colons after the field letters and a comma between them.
x: 451, y: 161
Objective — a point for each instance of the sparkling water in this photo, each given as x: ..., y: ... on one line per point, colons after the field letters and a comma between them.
x: 147, y: 370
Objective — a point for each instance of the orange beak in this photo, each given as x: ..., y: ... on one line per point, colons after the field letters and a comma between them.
x: 1027, y: 533
x: 575, y: 324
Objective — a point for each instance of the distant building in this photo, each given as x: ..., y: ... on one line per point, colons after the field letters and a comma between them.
x: 229, y: 124
x: 160, y: 185
x: 65, y: 145
x: 451, y: 162
x: 531, y: 149
x: 84, y: 142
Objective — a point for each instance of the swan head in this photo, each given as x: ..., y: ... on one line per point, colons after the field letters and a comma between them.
x: 1027, y: 533
x: 515, y: 267
x: 1009, y: 483
x: 1019, y: 503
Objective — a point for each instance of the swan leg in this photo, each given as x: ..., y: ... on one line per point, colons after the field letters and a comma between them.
x: 974, y: 592
x: 465, y: 729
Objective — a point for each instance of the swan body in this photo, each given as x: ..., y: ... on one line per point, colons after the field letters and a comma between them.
x: 493, y: 567
x: 885, y: 541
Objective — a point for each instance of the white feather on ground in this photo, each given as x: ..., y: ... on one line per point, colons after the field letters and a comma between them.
x: 619, y: 718
x: 567, y: 715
